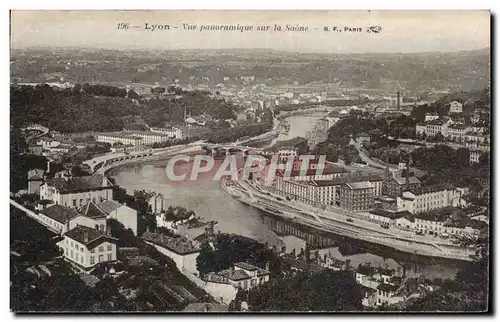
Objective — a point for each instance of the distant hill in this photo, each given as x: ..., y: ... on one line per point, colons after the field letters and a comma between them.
x: 408, y: 71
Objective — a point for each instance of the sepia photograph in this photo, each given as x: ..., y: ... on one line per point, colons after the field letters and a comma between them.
x: 211, y: 161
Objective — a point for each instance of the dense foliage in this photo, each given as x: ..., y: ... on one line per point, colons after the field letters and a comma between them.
x: 230, y: 249
x: 444, y: 164
x: 106, y: 108
x: 327, y: 290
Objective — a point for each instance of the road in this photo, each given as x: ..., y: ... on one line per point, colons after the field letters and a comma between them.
x: 338, y: 216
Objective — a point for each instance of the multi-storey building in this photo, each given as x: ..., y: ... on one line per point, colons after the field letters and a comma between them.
x: 394, y: 186
x: 76, y: 191
x: 436, y: 126
x: 455, y: 107
x: 125, y: 139
x: 420, y: 128
x: 322, y: 192
x: 474, y: 156
x: 84, y: 247
x: 457, y: 132
x: 431, y: 197
x: 172, y: 132
x: 357, y: 196
x: 150, y: 138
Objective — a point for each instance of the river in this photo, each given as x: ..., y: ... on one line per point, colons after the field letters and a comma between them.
x: 209, y: 202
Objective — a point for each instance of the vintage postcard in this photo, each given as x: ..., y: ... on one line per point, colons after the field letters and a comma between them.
x: 250, y: 161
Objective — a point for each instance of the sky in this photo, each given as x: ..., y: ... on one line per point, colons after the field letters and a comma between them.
x: 402, y: 31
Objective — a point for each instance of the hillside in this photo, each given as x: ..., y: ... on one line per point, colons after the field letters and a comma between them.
x: 71, y: 111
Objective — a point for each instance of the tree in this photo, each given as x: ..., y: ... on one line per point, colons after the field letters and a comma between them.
x: 132, y: 94
x: 206, y: 261
x: 327, y: 290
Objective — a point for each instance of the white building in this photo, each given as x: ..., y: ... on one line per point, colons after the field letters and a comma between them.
x: 431, y: 197
x: 183, y: 251
x: 125, y: 139
x: 173, y: 132
x: 431, y: 116
x: 474, y: 156
x: 149, y: 138
x: 35, y: 180
x: 455, y: 107
x: 84, y: 247
x: 457, y: 132
x: 401, y: 219
x: 76, y: 191
x: 122, y: 213
x: 242, y: 276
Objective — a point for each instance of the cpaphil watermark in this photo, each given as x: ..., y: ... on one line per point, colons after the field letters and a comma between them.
x: 266, y: 167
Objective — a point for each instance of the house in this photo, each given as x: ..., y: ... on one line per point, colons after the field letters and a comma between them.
x: 183, y: 251
x: 243, y: 275
x: 35, y: 149
x: 382, y: 216
x: 76, y: 191
x: 122, y: 213
x: 431, y: 116
x: 91, y: 216
x: 396, y: 185
x: 63, y: 219
x: 333, y: 263
x: 35, y: 180
x: 84, y: 247
x: 58, y: 217
x: 386, y: 294
x: 420, y: 128
x: 455, y: 107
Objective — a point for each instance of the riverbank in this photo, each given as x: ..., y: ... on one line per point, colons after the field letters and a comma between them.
x: 357, y: 228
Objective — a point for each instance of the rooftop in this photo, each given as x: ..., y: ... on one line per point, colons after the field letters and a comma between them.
x: 388, y: 287
x: 178, y: 245
x: 109, y: 206
x: 441, y: 214
x: 389, y: 214
x: 36, y: 174
x: 402, y: 180
x: 312, y: 172
x: 366, y: 270
x: 75, y: 184
x: 91, y: 210
x: 234, y: 274
x: 432, y: 188
x: 90, y: 237
x: 60, y: 213
x: 359, y: 185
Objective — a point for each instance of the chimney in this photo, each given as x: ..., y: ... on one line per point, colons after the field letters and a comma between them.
x: 85, y: 237
x: 398, y: 104
x: 267, y: 266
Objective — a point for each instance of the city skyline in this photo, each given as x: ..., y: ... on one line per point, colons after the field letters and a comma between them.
x: 402, y: 32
